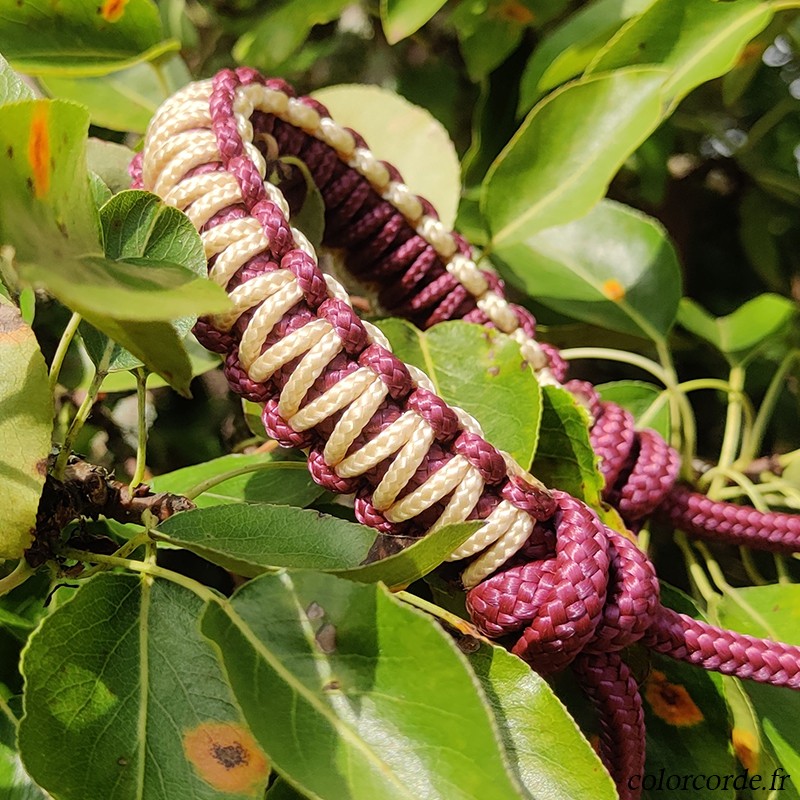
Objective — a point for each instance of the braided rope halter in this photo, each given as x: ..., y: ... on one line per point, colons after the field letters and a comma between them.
x: 542, y: 566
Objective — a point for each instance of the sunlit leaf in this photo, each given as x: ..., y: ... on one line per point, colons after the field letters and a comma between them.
x: 139, y: 709
x: 614, y: 267
x: 406, y: 136
x: 568, y: 48
x: 739, y: 335
x: 26, y: 421
x: 373, y: 688
x: 481, y: 371
x: 567, y: 150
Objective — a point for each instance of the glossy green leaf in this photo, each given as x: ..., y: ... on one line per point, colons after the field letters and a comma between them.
x: 739, y: 335
x: 401, y: 18
x: 772, y: 612
x: 11, y: 87
x: 26, y: 421
x: 561, y: 160
x: 140, y: 230
x: 251, y: 539
x: 538, y: 732
x: 275, y: 478
x: 687, y: 720
x: 122, y: 101
x: 705, y: 39
x: 139, y: 709
x: 15, y: 783
x: 80, y: 37
x: 481, y: 371
x: 405, y: 135
x: 568, y: 48
x: 564, y: 457
x: 638, y: 398
x: 281, y: 30
x: 373, y: 688
x: 614, y: 267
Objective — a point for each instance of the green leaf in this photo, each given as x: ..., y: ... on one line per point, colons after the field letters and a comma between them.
x: 568, y: 48
x: 697, y: 40
x: 638, y: 398
x: 15, y: 783
x: 11, y: 87
x: 773, y: 612
x: 140, y: 229
x: 401, y: 18
x: 488, y: 32
x: 538, y: 732
x: 282, y: 29
x: 405, y: 135
x: 110, y: 161
x: 688, y: 726
x: 122, y: 101
x: 80, y: 37
x: 561, y: 160
x: 275, y: 478
x: 481, y: 371
x: 310, y: 219
x: 252, y: 539
x: 200, y: 361
x: 137, y: 710
x: 614, y: 267
x: 373, y: 688
x: 26, y: 422
x: 46, y: 208
x: 47, y: 214
x: 739, y: 335
x: 564, y: 456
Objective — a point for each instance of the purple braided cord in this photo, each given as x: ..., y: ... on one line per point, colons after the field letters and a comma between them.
x: 578, y: 592
x: 609, y: 685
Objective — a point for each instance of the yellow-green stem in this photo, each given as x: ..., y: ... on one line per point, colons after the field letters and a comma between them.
x: 63, y: 346
x: 733, y: 428
x: 17, y: 577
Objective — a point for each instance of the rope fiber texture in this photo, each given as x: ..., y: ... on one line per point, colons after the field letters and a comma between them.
x: 542, y: 568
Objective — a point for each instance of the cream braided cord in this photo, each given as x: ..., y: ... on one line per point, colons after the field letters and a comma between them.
x: 180, y: 163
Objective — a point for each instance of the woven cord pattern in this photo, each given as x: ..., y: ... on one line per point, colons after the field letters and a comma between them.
x: 542, y: 566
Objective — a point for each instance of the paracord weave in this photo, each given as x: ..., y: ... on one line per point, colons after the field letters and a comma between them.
x: 542, y: 564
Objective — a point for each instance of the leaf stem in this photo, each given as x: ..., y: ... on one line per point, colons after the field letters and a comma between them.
x: 17, y: 577
x: 63, y: 346
x: 733, y: 428
x: 608, y: 354
x: 695, y: 569
x: 681, y: 409
x: 141, y: 436
x: 754, y: 441
x: 145, y: 568
x: 83, y: 412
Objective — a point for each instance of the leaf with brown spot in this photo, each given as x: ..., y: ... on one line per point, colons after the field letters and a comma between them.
x: 125, y: 700
x: 671, y: 701
x: 26, y: 415
x: 227, y: 757
x: 39, y: 149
